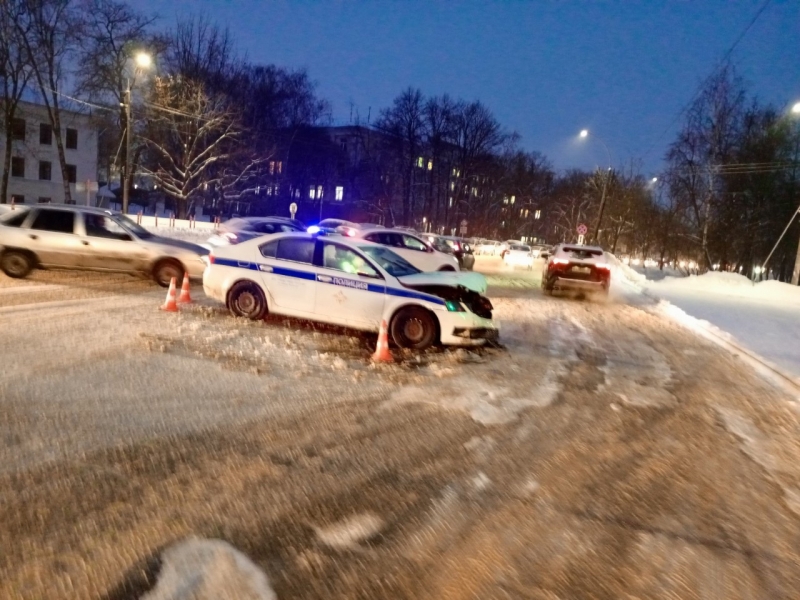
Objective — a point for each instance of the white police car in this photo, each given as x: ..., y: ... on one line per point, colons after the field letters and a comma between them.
x: 352, y: 283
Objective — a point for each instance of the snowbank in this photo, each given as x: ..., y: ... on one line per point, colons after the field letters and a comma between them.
x: 729, y: 284
x: 198, y: 569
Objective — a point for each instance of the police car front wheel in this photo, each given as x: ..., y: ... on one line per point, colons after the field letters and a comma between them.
x: 413, y: 328
x: 247, y: 300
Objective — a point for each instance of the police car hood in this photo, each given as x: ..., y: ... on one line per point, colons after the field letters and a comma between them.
x: 470, y: 280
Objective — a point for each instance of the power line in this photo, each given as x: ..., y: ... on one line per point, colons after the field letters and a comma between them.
x: 703, y: 83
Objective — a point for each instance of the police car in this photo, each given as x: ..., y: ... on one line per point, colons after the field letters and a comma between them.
x: 352, y: 283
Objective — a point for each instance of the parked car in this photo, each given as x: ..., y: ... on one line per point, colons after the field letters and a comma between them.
x: 352, y: 283
x: 488, y: 248
x: 576, y: 267
x: 235, y: 231
x: 411, y: 247
x: 67, y: 236
x: 333, y: 226
x: 456, y: 246
x: 519, y: 255
x: 539, y: 250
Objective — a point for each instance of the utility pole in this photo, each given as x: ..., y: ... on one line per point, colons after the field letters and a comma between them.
x: 126, y: 169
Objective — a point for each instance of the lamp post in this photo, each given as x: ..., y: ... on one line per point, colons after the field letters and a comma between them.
x: 585, y: 134
x: 143, y: 61
x: 796, y: 270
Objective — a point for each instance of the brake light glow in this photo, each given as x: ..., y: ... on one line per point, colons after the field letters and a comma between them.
x: 560, y: 261
x: 211, y: 259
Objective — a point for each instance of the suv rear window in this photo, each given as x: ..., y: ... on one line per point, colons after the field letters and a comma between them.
x: 62, y: 221
x: 582, y: 253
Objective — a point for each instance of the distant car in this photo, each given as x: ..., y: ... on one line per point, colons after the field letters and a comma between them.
x: 576, y: 267
x: 519, y: 255
x: 538, y: 250
x: 240, y: 229
x: 488, y: 248
x: 333, y: 226
x: 458, y: 247
x: 67, y: 236
x: 411, y: 247
x: 352, y: 283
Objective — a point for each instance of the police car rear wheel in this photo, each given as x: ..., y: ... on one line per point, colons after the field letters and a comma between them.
x: 413, y: 328
x: 247, y: 300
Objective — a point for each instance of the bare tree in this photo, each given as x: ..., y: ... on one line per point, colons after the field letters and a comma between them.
x: 193, y: 140
x: 113, y: 32
x: 15, y: 73
x: 48, y: 30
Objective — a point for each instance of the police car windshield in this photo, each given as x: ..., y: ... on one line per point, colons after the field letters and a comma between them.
x: 390, y: 262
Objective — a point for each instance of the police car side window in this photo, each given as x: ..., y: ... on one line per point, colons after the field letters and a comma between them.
x: 343, y: 259
x: 268, y: 250
x: 296, y: 250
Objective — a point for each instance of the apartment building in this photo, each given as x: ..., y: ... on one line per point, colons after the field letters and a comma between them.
x: 35, y: 172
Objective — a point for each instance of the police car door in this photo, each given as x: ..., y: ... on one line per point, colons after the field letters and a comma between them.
x: 289, y: 275
x: 350, y: 291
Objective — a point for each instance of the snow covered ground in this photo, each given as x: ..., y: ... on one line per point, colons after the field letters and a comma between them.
x: 764, y: 317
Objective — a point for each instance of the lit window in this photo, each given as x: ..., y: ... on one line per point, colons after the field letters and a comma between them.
x: 312, y: 192
x: 275, y: 190
x: 526, y: 212
x: 430, y: 164
x: 339, y: 192
x: 271, y: 167
x: 452, y: 186
x: 420, y: 162
x: 319, y: 191
x: 451, y: 201
x: 280, y: 166
x: 505, y: 199
x: 475, y: 192
x: 537, y: 214
x: 512, y: 199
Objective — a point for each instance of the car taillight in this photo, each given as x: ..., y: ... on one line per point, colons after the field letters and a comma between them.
x: 211, y: 259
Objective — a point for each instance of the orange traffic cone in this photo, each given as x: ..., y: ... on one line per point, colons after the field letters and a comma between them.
x: 171, y: 305
x: 382, y: 353
x: 185, y: 297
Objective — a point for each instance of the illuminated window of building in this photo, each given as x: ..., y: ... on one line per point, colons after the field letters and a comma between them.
x: 275, y: 191
x: 513, y: 198
x: 421, y: 162
x: 280, y: 166
x: 451, y: 202
x: 475, y: 192
x: 319, y: 191
x: 339, y: 193
x: 271, y: 167
x: 537, y: 214
x: 505, y: 199
x: 312, y: 192
x: 430, y: 164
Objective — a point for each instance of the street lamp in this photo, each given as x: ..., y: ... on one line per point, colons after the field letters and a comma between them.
x: 585, y: 134
x: 796, y: 108
x: 142, y: 61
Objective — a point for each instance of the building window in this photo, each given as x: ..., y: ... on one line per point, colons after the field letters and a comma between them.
x: 18, y: 199
x: 17, y: 166
x: 45, y: 200
x: 475, y: 192
x: 513, y: 198
x: 450, y: 204
x: 272, y: 167
x: 18, y: 129
x: 319, y: 191
x: 279, y: 166
x: 505, y: 199
x: 430, y: 164
x: 45, y: 170
x: 275, y: 190
x: 452, y: 186
x: 421, y: 162
x: 72, y: 173
x: 312, y: 192
x: 45, y: 134
x: 339, y: 193
x: 72, y: 139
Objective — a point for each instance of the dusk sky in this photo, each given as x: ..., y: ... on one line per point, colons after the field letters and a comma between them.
x: 546, y: 69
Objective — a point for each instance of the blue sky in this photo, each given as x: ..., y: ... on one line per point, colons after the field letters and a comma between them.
x: 546, y: 69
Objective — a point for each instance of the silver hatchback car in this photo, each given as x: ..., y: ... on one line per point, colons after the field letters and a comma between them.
x: 66, y: 236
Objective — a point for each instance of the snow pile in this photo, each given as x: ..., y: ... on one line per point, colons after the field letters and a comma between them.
x: 620, y: 269
x: 729, y: 284
x: 198, y: 569
x: 196, y: 236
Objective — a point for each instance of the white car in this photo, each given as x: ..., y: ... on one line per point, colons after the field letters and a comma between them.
x: 519, y: 255
x: 488, y: 247
x: 352, y: 283
x: 410, y: 246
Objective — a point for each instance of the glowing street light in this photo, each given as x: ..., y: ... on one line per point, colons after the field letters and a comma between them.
x: 585, y: 132
x: 654, y: 180
x: 796, y: 108
x: 142, y: 61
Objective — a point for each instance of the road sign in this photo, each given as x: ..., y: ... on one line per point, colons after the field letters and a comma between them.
x: 463, y: 229
x: 293, y: 209
x: 580, y: 240
x: 582, y: 229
